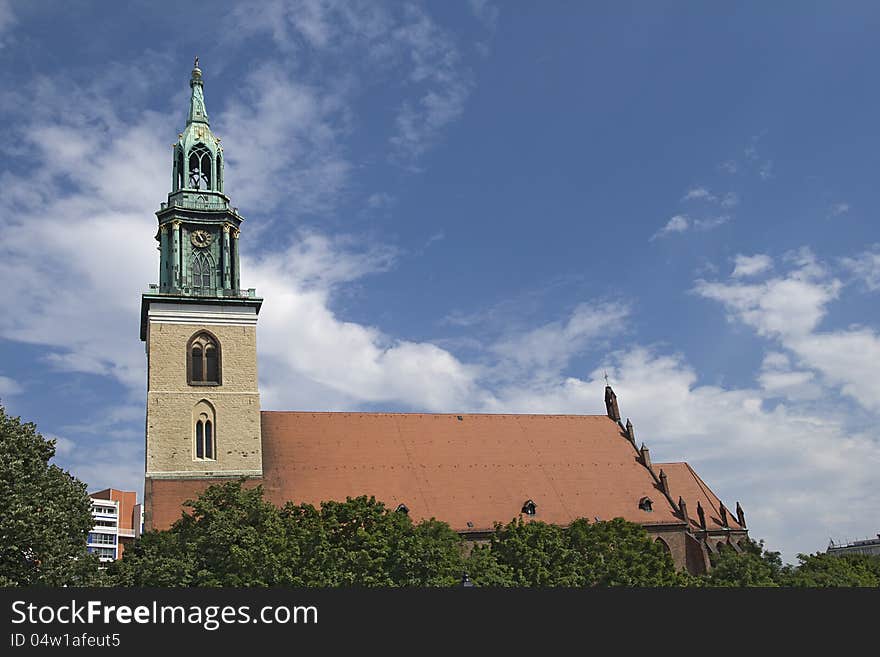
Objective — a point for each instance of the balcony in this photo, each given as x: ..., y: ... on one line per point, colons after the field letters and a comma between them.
x: 202, y: 201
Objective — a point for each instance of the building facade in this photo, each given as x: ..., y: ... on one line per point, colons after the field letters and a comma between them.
x: 103, y: 539
x: 119, y: 520
x: 204, y: 422
x: 869, y: 546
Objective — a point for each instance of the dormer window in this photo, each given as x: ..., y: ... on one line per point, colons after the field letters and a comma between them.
x: 530, y: 508
x: 645, y: 504
x: 402, y: 508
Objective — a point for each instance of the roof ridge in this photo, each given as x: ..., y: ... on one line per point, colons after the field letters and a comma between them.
x: 450, y: 414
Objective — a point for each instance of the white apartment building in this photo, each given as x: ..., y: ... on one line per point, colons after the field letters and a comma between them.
x: 104, y: 538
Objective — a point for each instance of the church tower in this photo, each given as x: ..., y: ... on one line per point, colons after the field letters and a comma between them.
x: 203, y: 405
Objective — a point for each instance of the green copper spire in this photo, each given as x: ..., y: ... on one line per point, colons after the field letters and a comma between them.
x: 197, y: 111
x: 198, y: 227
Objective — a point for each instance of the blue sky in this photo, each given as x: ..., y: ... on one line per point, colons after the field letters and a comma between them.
x: 474, y: 206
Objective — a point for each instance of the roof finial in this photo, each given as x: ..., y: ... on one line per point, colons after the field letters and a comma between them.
x: 606, y: 378
x: 196, y: 62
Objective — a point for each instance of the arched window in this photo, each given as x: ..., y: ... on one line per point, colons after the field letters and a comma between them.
x: 203, y: 360
x: 202, y: 271
x: 219, y: 172
x: 200, y: 167
x: 204, y: 433
x: 181, y: 174
x: 663, y: 544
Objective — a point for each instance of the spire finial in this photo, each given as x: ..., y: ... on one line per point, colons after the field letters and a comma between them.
x: 606, y: 378
x: 197, y: 111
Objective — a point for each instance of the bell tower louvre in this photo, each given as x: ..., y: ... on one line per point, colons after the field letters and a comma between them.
x: 203, y: 404
x: 204, y: 421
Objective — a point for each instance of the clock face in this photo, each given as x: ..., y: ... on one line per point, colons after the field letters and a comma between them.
x: 201, y: 238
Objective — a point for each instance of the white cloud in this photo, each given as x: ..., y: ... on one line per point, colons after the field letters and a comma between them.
x: 678, y: 224
x: 8, y: 387
x: 729, y: 200
x: 546, y: 350
x: 111, y: 464
x: 730, y: 166
x: 779, y: 379
x: 866, y: 267
x: 789, y: 309
x: 699, y: 194
x: 310, y: 171
x: 400, y: 42
x: 709, y: 223
x: 751, y: 265
x: 681, y: 223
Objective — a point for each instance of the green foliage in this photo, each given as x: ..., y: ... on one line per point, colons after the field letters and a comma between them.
x: 620, y: 553
x: 235, y: 538
x: 753, y: 566
x: 613, y: 553
x: 46, y: 514
x: 535, y: 554
x: 824, y: 570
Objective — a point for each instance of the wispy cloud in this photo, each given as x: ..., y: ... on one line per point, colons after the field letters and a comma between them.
x: 729, y: 166
x: 751, y: 265
x: 677, y: 224
x: 866, y: 267
x: 698, y: 193
x: 9, y: 387
x: 681, y: 223
x: 838, y: 209
x: 7, y: 21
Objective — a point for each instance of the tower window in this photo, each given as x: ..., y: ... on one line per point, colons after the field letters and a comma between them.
x: 204, y: 448
x: 202, y: 268
x: 203, y: 360
x: 200, y: 167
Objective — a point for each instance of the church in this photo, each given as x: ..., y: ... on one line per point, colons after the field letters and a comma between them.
x: 204, y: 423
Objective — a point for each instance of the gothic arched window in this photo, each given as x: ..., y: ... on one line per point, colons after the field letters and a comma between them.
x: 204, y: 432
x: 181, y: 174
x: 200, y: 167
x: 203, y: 360
x: 202, y: 270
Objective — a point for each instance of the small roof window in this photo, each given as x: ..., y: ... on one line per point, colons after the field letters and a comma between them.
x: 403, y: 508
x: 645, y: 504
x: 530, y: 508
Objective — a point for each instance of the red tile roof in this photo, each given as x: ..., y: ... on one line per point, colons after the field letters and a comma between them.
x: 685, y: 483
x: 467, y: 470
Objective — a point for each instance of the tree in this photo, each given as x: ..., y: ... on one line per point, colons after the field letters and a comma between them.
x: 752, y: 566
x: 607, y: 553
x: 535, y: 554
x: 824, y: 570
x: 621, y: 553
x: 233, y: 537
x: 46, y: 513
